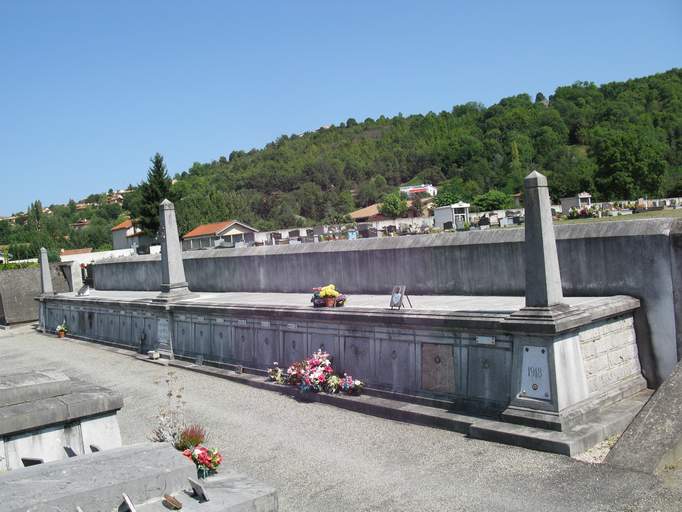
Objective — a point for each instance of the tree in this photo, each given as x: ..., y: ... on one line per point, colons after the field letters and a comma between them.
x: 516, y: 170
x: 446, y: 197
x: 35, y: 214
x: 154, y: 190
x: 493, y: 200
x: 393, y: 206
x: 367, y: 194
x: 5, y: 231
x: 672, y: 183
x: 631, y: 162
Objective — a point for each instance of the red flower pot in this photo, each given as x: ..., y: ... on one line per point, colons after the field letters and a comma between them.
x: 330, y: 302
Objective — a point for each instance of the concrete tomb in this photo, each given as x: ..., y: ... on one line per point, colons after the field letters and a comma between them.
x: 47, y: 416
x: 138, y: 475
x: 543, y: 361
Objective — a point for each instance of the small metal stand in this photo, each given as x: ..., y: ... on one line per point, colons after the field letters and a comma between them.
x: 397, y: 296
x: 127, y: 505
x: 198, y: 490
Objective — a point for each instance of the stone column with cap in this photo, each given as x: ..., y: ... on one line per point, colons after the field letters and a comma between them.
x: 46, y: 288
x: 543, y: 279
x: 45, y: 277
x: 173, y: 282
x: 547, y: 369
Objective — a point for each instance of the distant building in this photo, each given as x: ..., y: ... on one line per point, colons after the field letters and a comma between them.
x: 582, y: 200
x: 126, y: 236
x: 412, y: 190
x: 452, y: 215
x: 12, y: 219
x: 80, y: 224
x: 74, y: 252
x: 367, y: 214
x: 210, y: 235
x: 371, y: 213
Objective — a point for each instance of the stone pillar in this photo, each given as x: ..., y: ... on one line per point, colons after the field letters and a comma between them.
x: 45, y: 277
x: 543, y: 279
x: 548, y: 376
x: 173, y: 282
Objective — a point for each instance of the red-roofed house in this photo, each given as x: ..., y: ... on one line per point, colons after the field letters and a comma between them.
x: 208, y: 235
x: 125, y: 236
x: 73, y: 252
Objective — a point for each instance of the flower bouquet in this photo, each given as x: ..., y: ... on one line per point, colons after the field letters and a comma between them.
x: 316, y: 374
x: 207, y: 460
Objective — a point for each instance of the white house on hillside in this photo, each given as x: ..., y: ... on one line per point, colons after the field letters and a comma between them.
x: 126, y: 236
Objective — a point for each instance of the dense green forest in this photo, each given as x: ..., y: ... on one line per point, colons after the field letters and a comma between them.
x: 620, y: 140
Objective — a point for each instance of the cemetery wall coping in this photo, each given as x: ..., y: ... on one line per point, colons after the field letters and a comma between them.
x: 649, y: 227
x: 483, y: 321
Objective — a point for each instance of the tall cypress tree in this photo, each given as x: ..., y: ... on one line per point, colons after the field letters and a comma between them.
x: 154, y: 190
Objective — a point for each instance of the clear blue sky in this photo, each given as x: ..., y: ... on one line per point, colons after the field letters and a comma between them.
x: 90, y: 90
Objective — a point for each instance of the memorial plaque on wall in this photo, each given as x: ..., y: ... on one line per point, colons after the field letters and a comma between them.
x: 163, y: 334
x: 438, y: 368
x: 535, y: 373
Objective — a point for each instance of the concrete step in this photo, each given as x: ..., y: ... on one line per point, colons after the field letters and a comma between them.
x: 611, y: 420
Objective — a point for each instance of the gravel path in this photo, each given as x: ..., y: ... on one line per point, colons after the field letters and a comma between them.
x: 320, y: 457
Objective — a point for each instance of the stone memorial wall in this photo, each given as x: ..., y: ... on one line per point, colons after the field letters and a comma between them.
x: 467, y: 359
x: 18, y: 290
x: 641, y: 258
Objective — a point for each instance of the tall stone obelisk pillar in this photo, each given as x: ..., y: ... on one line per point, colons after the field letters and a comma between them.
x: 173, y: 282
x: 46, y: 288
x: 45, y: 277
x: 544, y: 297
x: 543, y: 279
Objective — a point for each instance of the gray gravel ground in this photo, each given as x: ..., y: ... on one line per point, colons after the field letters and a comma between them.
x: 320, y: 457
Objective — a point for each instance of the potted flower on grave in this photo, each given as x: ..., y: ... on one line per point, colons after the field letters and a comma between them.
x: 328, y: 296
x: 62, y: 329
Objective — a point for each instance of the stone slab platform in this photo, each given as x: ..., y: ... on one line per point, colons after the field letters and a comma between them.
x: 145, y: 472
x: 608, y: 421
x: 228, y: 491
x: 457, y: 311
x: 36, y: 404
x: 25, y: 387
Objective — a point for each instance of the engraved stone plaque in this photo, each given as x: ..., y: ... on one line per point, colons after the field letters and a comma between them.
x: 485, y: 340
x: 535, y: 373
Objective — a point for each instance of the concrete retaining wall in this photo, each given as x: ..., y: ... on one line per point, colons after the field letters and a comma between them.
x: 640, y: 258
x: 18, y: 290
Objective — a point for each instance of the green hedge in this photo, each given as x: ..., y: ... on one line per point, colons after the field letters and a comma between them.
x: 15, y: 266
